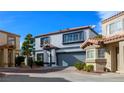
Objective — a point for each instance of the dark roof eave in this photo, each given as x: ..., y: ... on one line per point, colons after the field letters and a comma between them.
x: 9, y: 33
x: 66, y: 30
x: 94, y: 31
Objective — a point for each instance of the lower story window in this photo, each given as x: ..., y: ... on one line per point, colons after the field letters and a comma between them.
x: 40, y: 57
x: 90, y: 54
x: 101, y: 53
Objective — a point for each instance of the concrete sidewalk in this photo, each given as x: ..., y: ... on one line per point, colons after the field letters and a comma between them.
x: 77, y: 77
x: 67, y: 74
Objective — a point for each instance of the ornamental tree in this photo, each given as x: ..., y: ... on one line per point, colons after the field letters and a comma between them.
x: 27, y: 46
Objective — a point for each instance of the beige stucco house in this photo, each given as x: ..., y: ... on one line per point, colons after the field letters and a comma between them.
x: 9, y: 48
x: 107, y: 53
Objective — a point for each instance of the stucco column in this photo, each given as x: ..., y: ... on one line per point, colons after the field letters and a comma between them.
x: 53, y: 55
x: 121, y: 57
x: 108, y: 57
x: 113, y: 59
x: 45, y: 55
x: 5, y: 57
x: 13, y: 58
x: 96, y: 53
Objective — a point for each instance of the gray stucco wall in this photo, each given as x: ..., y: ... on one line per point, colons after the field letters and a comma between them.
x: 57, y: 40
x: 121, y: 57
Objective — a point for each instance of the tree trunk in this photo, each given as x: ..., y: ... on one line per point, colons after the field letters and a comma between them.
x: 26, y: 60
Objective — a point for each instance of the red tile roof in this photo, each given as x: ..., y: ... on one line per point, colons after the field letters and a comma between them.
x: 114, y: 38
x: 92, y: 41
x: 102, y: 41
x: 49, y: 46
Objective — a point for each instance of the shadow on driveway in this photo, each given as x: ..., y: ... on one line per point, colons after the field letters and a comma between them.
x: 33, y: 70
x: 26, y: 78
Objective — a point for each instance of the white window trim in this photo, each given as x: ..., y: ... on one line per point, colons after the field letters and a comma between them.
x: 123, y: 24
x: 71, y: 41
x: 94, y: 54
x: 98, y: 55
x: 115, y: 31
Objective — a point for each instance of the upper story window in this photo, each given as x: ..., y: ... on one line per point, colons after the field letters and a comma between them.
x: 73, y: 37
x: 45, y: 40
x: 2, y: 37
x: 11, y: 40
x: 114, y: 27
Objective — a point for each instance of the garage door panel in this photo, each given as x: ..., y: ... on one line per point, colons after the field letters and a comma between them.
x: 69, y: 59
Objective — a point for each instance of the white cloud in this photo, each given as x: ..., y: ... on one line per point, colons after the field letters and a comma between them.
x: 106, y: 14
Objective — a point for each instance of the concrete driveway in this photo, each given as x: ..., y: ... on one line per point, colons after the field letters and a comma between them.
x: 65, y: 75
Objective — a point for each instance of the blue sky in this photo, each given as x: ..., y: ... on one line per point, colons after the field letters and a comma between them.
x: 41, y: 22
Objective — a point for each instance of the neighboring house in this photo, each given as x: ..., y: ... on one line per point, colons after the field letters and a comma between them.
x: 62, y: 48
x: 107, y: 53
x: 9, y: 48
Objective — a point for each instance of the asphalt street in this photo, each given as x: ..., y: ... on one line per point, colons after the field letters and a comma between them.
x: 69, y: 74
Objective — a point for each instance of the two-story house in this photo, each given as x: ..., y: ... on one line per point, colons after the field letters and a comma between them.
x: 107, y: 52
x: 9, y: 48
x: 62, y: 48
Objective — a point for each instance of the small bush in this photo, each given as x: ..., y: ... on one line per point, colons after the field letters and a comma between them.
x: 80, y: 66
x: 23, y: 64
x: 89, y: 68
x: 19, y: 60
x: 30, y: 61
x: 98, y: 37
x: 106, y: 69
x: 85, y: 68
x: 38, y: 63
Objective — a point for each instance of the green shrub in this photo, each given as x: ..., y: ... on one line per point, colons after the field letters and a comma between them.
x: 98, y: 37
x: 89, y: 68
x: 19, y: 60
x: 80, y: 66
x: 85, y: 68
x: 38, y: 63
x: 30, y: 61
x: 106, y: 69
x: 22, y: 64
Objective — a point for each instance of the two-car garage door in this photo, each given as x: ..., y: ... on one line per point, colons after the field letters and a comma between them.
x: 69, y: 59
